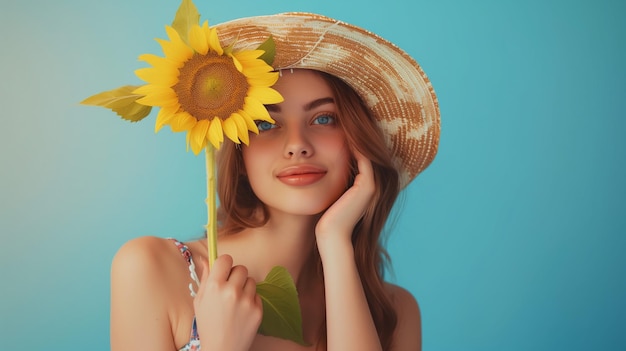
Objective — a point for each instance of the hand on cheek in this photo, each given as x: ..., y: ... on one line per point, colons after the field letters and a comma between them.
x: 337, y: 223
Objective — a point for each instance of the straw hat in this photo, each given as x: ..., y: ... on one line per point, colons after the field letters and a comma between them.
x: 388, y: 80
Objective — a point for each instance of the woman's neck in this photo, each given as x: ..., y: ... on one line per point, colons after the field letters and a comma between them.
x: 285, y: 240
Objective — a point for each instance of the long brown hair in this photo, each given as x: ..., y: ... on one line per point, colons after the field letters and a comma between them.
x: 238, y: 202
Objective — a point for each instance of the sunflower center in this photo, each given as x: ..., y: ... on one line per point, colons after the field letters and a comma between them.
x: 211, y: 86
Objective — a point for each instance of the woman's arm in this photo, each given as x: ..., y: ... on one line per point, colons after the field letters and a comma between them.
x: 348, y: 318
x: 139, y: 317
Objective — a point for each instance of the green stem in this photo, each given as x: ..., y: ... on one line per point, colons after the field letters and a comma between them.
x: 211, y: 227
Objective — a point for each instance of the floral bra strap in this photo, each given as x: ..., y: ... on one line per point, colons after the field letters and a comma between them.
x: 184, y: 250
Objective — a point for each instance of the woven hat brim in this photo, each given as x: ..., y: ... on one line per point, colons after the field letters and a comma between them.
x: 389, y: 81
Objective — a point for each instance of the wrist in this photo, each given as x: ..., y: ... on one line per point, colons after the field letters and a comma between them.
x: 335, y: 245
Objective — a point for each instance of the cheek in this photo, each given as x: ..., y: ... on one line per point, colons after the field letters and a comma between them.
x: 257, y: 160
x: 254, y: 154
x: 343, y: 162
x: 338, y: 147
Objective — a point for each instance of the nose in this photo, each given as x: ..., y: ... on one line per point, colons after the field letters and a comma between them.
x: 297, y: 144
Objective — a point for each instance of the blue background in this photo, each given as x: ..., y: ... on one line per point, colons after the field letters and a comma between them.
x: 513, y: 239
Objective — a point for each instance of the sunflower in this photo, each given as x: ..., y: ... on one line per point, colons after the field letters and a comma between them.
x: 206, y: 90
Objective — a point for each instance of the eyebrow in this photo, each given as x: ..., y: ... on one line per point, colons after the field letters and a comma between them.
x: 308, y: 107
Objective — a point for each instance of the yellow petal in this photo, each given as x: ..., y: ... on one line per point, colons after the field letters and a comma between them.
x: 216, y: 136
x: 250, y: 124
x: 182, y: 121
x: 198, y: 135
x: 255, y: 109
x: 171, y: 51
x: 198, y: 40
x: 248, y: 55
x: 265, y: 95
x: 230, y: 129
x: 151, y: 89
x: 159, y: 62
x: 237, y: 63
x: 266, y: 80
x: 161, y: 76
x: 214, y: 40
x: 145, y: 90
x: 257, y: 67
x: 156, y: 96
x: 163, y: 117
x: 242, y: 129
x: 175, y: 49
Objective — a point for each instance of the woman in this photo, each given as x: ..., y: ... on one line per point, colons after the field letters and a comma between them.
x: 311, y: 192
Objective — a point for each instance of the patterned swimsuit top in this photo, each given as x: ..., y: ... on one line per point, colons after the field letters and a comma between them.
x: 194, y: 339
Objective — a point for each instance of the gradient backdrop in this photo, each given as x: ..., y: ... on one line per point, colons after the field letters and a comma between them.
x: 513, y: 239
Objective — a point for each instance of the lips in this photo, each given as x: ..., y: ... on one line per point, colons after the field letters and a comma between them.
x: 301, y: 175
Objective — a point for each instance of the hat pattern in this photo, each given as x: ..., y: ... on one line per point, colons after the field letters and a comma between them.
x: 389, y: 81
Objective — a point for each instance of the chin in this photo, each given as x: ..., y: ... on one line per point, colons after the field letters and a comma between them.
x: 302, y: 206
x: 306, y: 210
x: 304, y: 202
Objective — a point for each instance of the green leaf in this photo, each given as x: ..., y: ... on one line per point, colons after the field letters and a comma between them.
x: 281, y: 308
x: 269, y: 46
x: 122, y: 101
x: 186, y: 16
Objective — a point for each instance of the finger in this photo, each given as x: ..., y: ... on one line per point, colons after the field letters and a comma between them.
x: 364, y: 165
x: 221, y: 268
x: 258, y: 301
x: 249, y: 287
x: 238, y: 276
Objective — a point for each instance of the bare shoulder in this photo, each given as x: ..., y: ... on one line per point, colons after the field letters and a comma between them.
x: 148, y: 265
x: 144, y: 254
x: 402, y: 299
x: 408, y: 334
x: 144, y: 274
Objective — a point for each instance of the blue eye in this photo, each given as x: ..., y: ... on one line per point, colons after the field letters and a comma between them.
x: 264, y: 125
x: 324, y: 119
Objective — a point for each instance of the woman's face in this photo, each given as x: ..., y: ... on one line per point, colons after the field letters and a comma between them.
x: 301, y: 164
